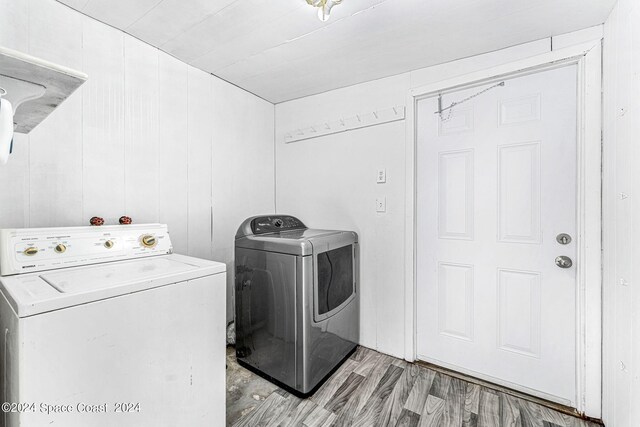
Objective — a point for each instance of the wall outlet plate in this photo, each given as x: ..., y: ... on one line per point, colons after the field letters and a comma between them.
x: 382, y: 176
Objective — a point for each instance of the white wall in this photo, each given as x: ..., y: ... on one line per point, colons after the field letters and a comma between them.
x: 622, y: 216
x: 330, y: 181
x: 146, y: 136
x: 243, y: 167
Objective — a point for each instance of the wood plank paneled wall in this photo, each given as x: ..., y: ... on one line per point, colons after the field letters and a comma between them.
x: 621, y: 237
x: 146, y: 136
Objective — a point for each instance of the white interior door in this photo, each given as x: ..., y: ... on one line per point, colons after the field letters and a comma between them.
x: 496, y: 184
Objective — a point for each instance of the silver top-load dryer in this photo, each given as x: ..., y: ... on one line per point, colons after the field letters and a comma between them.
x: 297, y: 300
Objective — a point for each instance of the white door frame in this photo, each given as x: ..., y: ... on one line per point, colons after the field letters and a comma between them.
x: 587, y: 57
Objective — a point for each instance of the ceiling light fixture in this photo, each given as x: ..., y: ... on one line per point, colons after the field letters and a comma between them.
x: 324, y: 7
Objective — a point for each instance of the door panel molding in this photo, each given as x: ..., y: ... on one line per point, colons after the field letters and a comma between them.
x: 455, y: 315
x: 529, y: 110
x: 456, y: 197
x: 512, y: 224
x: 514, y: 286
x: 460, y: 121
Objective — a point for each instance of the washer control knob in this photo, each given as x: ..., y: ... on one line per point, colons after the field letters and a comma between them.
x: 60, y: 248
x: 30, y: 251
x: 149, y: 240
x: 108, y: 244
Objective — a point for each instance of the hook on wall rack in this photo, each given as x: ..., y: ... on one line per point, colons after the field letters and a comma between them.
x: 343, y: 124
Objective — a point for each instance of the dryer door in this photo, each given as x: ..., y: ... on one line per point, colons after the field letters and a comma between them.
x: 334, y: 281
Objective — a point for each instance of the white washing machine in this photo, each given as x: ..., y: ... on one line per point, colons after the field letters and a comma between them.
x: 104, y: 326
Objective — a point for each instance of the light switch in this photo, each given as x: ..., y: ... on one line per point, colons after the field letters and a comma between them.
x: 382, y: 176
x: 381, y: 204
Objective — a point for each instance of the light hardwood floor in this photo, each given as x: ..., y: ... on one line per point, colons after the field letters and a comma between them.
x: 373, y: 389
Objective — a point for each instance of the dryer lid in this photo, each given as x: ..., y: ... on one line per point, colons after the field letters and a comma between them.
x: 301, y: 242
x: 288, y: 235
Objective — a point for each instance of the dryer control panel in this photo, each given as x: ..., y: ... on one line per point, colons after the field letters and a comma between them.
x: 275, y: 223
x: 37, y: 249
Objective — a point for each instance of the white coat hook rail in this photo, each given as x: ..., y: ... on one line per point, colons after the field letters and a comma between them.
x: 344, y: 124
x: 454, y: 103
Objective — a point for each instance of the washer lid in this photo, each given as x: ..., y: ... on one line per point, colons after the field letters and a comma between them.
x: 114, y: 274
x: 37, y: 293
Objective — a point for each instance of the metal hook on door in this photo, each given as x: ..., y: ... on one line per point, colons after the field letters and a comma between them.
x: 453, y: 104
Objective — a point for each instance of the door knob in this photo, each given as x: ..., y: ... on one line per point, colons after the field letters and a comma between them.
x: 563, y: 261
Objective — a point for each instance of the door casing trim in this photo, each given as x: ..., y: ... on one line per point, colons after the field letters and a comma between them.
x: 588, y: 58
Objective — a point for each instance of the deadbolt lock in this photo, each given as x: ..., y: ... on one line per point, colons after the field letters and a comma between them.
x: 563, y: 238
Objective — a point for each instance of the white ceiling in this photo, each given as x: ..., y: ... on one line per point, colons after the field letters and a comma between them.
x: 279, y: 50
